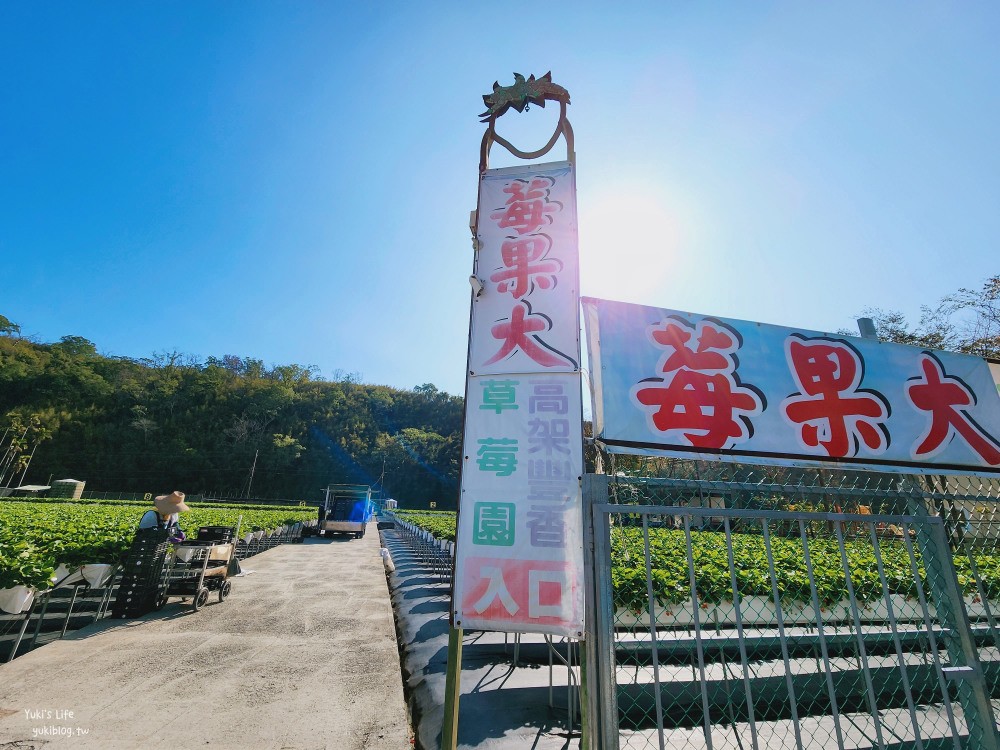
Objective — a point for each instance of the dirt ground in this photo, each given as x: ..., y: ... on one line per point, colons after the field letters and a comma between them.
x: 302, y: 655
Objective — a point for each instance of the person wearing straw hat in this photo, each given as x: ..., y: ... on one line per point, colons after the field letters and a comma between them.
x: 168, y: 507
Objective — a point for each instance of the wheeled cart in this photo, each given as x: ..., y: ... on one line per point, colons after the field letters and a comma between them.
x: 198, y: 568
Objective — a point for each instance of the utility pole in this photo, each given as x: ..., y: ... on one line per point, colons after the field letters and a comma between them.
x: 33, y: 449
x: 252, y: 468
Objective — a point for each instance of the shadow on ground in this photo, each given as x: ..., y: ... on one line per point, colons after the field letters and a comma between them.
x: 503, y: 706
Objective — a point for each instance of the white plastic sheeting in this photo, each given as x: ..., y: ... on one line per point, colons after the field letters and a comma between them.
x: 16, y: 600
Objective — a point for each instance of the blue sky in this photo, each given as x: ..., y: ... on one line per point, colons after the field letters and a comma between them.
x: 291, y: 181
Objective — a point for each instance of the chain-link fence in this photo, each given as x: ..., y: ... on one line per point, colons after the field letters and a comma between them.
x: 747, y: 607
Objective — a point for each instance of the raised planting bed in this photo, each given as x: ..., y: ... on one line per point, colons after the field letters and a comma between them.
x: 671, y: 585
x: 440, y: 523
x: 758, y: 611
x: 35, y: 538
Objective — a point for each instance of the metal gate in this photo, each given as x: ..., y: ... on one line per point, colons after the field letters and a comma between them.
x: 722, y: 627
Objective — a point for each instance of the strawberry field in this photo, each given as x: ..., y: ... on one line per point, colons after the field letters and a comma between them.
x: 440, y: 523
x: 36, y: 537
x: 668, y: 557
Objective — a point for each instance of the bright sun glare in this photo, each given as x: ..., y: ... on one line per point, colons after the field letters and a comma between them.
x: 630, y: 244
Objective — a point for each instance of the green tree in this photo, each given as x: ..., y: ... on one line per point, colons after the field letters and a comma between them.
x: 76, y: 346
x: 169, y: 420
x: 978, y: 313
x: 967, y: 321
x: 7, y: 328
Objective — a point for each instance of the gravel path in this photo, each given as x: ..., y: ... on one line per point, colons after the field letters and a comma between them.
x: 302, y: 655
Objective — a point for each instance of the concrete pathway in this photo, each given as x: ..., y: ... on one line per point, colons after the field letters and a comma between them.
x: 302, y: 655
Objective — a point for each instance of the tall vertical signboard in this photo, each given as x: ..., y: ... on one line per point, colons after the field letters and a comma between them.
x: 519, y: 559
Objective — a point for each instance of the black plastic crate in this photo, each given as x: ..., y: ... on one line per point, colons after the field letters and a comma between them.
x: 222, y: 534
x: 153, y: 535
x: 142, y: 574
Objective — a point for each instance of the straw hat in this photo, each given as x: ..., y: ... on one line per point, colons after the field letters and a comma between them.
x: 169, y: 504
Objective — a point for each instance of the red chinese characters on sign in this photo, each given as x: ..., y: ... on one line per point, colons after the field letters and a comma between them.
x: 539, y: 592
x: 699, y: 398
x: 526, y: 266
x: 946, y: 399
x: 528, y: 209
x: 831, y: 411
x: 526, y: 269
x: 519, y: 334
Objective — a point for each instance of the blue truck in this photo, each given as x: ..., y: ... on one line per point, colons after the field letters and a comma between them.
x: 347, y: 509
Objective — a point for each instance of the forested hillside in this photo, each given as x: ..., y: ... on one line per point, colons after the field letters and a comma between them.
x: 172, y: 423
x: 169, y: 422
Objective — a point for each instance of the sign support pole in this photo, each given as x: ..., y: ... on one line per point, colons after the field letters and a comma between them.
x: 452, y: 690
x: 522, y: 354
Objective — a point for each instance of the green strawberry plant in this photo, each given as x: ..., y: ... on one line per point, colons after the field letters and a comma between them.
x: 35, y: 538
x: 713, y: 583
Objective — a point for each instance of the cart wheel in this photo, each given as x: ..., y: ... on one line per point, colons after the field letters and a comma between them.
x: 160, y: 601
x: 358, y: 535
x: 199, y: 599
x: 225, y: 590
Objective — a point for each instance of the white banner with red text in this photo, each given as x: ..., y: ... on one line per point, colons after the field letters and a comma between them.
x: 683, y: 384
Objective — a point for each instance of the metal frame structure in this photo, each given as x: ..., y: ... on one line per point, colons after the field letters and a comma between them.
x: 437, y: 558
x: 928, y: 655
x: 520, y: 96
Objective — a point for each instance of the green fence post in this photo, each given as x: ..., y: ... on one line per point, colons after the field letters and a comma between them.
x: 452, y: 690
x: 595, y: 491
x: 584, y: 701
